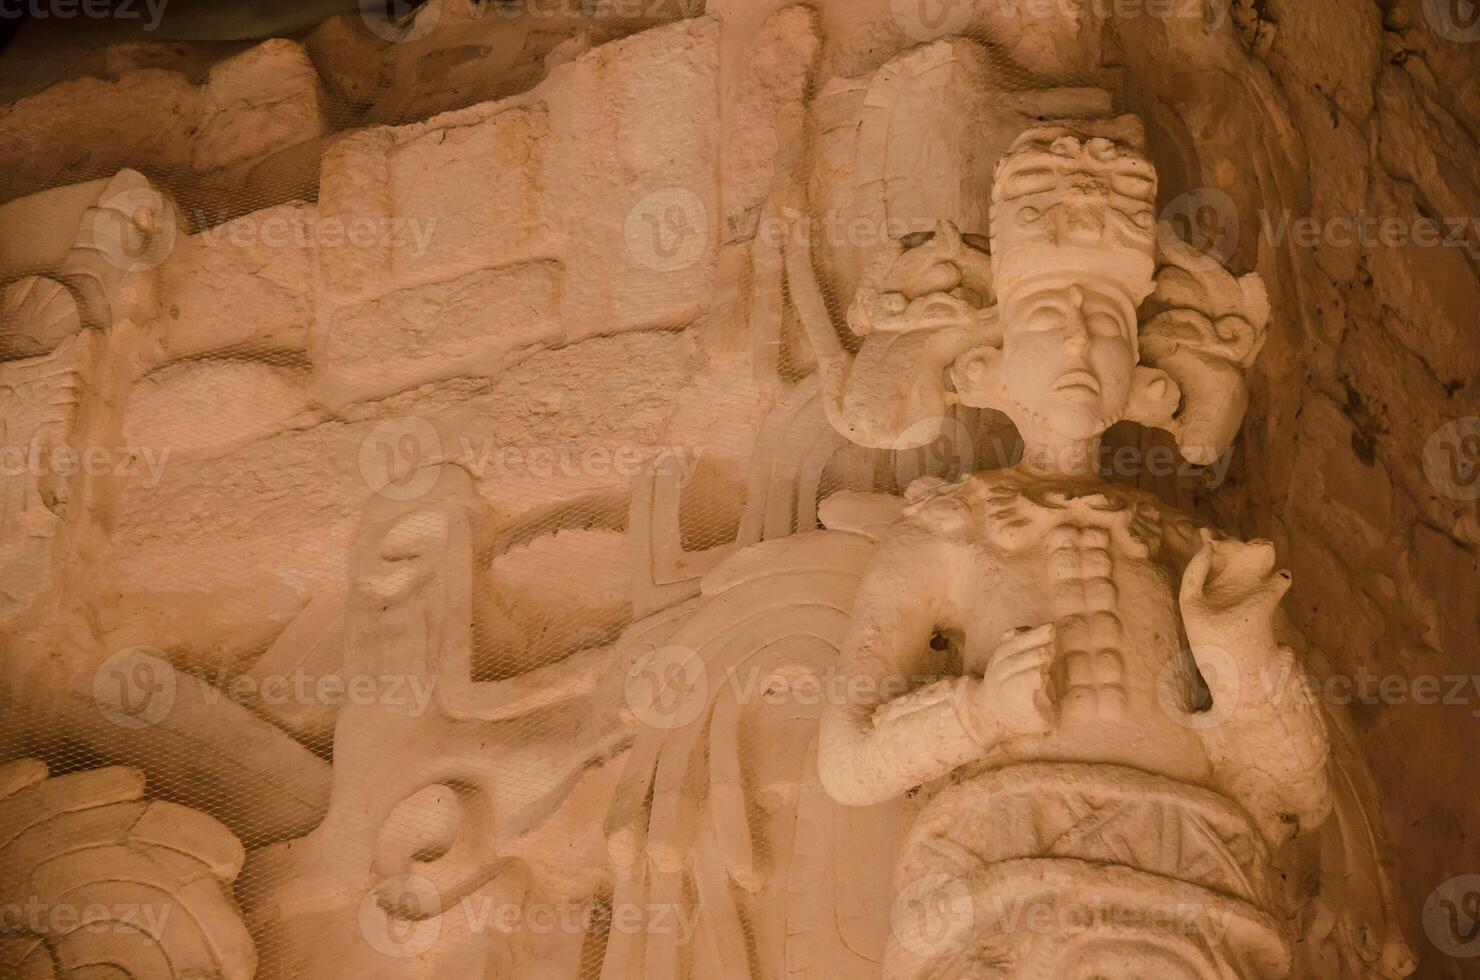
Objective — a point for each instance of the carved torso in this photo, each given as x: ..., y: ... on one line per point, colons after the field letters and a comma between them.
x: 1090, y: 560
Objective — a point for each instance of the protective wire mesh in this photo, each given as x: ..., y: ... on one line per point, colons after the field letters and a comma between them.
x: 227, y: 613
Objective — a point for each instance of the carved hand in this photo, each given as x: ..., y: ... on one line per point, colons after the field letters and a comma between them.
x: 1014, y: 694
x: 1230, y: 591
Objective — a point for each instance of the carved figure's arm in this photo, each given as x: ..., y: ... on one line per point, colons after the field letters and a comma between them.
x: 1267, y: 734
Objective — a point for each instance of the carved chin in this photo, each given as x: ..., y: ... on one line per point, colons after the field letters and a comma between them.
x: 1075, y: 422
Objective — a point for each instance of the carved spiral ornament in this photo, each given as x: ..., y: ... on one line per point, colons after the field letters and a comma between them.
x: 98, y: 882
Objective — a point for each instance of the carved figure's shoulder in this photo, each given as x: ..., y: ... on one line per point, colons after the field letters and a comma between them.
x: 944, y: 507
x: 1180, y: 534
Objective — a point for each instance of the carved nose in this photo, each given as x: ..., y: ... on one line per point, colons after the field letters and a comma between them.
x: 1076, y: 338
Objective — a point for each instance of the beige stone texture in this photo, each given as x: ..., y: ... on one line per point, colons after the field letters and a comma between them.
x: 766, y: 487
x: 246, y: 284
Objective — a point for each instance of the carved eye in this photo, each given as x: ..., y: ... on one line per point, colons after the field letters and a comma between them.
x: 1100, y: 324
x: 1029, y: 181
x: 1045, y: 318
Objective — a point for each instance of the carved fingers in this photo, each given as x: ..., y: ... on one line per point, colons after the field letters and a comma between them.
x: 1015, y: 691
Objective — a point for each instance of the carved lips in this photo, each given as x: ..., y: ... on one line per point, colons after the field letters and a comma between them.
x: 1078, y: 382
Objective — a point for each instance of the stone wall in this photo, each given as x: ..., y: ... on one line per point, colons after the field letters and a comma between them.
x: 1365, y: 118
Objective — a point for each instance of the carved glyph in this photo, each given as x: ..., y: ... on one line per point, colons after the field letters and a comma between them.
x: 483, y: 778
x: 39, y: 403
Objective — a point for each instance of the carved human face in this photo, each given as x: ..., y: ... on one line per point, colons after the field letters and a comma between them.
x: 1068, y: 357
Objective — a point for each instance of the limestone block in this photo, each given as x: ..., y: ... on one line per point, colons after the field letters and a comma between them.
x: 471, y: 196
x: 465, y: 326
x: 208, y: 408
x: 260, y: 101
x: 639, y: 192
x: 782, y: 60
x: 246, y: 284
x: 141, y: 116
x: 575, y: 424
x: 607, y: 166
x: 355, y: 191
x: 161, y: 119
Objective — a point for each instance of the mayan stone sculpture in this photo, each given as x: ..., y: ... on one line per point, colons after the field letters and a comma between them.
x: 863, y: 490
x: 1082, y: 770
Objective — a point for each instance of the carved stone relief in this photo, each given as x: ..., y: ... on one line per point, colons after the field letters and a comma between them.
x: 607, y: 497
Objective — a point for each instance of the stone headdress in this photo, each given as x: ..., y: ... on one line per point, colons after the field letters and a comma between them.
x: 1072, y: 201
x: 1076, y: 201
